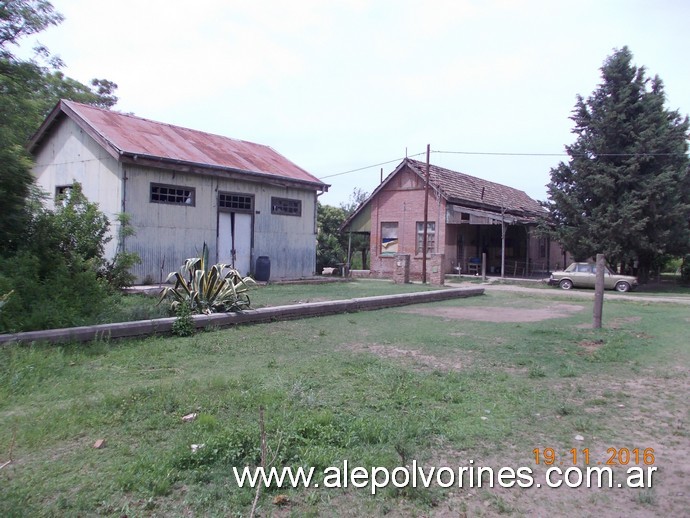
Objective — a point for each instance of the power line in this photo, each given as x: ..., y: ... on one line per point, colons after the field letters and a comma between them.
x: 574, y: 155
x: 490, y: 153
x: 500, y: 154
x: 446, y: 152
x: 368, y: 166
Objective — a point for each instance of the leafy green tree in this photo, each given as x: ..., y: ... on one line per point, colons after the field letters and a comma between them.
x: 625, y: 191
x: 332, y: 244
x: 329, y: 245
x: 358, y: 243
x: 28, y: 91
x: 20, y: 18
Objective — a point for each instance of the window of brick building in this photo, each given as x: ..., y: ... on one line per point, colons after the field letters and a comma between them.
x: 430, y: 237
x: 389, y: 238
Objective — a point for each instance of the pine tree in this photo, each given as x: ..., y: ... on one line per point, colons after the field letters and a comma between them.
x: 625, y: 191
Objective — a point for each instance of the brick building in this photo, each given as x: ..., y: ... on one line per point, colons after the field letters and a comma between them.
x: 466, y: 218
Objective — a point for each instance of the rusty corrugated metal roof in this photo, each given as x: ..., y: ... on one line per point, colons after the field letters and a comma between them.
x: 132, y: 136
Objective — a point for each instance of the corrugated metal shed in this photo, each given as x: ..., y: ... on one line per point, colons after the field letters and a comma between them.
x: 127, y: 136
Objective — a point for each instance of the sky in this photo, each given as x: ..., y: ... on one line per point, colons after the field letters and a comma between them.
x: 340, y: 85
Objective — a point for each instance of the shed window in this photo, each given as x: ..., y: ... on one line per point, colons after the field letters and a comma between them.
x: 286, y: 207
x: 389, y: 238
x: 430, y: 237
x: 62, y: 193
x: 236, y: 202
x: 174, y: 194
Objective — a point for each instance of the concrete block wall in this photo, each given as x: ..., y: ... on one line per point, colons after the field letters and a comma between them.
x: 435, y: 270
x: 401, y: 272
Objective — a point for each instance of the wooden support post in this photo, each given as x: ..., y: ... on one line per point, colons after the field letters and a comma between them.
x: 426, y: 214
x: 599, y: 291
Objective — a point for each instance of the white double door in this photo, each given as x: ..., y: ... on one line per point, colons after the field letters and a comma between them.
x: 235, y: 240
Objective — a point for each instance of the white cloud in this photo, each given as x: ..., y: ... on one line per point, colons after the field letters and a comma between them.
x: 341, y: 84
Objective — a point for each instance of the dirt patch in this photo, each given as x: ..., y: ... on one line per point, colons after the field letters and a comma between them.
x: 498, y: 313
x: 411, y: 357
x: 617, y: 323
x: 647, y: 412
x: 591, y: 346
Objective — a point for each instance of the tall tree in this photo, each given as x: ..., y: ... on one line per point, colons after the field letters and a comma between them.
x: 332, y: 245
x: 357, y: 242
x: 19, y: 18
x: 329, y: 242
x: 625, y: 191
x: 28, y: 90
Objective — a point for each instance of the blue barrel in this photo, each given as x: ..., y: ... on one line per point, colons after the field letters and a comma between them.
x: 263, y: 268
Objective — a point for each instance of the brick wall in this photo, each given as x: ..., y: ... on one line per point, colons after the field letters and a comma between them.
x: 402, y: 201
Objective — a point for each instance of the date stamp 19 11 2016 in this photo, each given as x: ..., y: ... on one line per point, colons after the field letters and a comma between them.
x: 613, y: 457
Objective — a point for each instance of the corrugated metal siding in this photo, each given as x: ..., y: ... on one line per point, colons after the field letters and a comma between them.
x: 168, y: 234
x: 73, y: 156
x: 289, y: 241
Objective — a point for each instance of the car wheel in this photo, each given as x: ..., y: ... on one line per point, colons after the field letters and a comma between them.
x: 566, y: 284
x: 622, y: 287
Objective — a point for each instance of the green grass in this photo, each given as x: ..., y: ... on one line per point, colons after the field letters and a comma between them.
x: 142, y: 307
x: 377, y: 388
x: 284, y: 294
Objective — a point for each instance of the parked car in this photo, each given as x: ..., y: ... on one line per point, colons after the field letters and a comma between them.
x: 584, y: 275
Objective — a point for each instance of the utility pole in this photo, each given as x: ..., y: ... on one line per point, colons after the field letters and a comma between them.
x: 503, y: 239
x: 426, y: 213
x: 599, y: 291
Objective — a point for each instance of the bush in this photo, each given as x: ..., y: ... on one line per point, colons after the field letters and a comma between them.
x: 50, y: 296
x: 184, y: 324
x: 685, y: 270
x: 54, y: 274
x: 672, y: 265
x: 117, y: 272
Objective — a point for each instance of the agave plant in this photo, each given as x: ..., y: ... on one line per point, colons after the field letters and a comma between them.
x: 216, y: 289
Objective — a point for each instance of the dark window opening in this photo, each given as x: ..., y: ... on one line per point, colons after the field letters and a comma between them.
x: 286, y: 207
x: 236, y: 202
x: 172, y: 194
x: 62, y: 193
